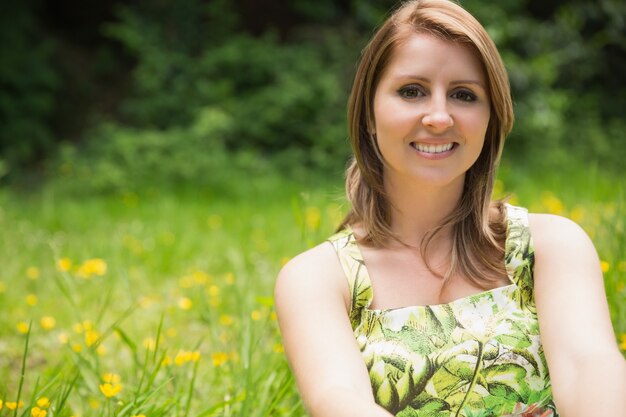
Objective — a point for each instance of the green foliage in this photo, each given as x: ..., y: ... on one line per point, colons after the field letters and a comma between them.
x: 27, y: 87
x: 124, y: 158
x: 282, y: 97
x: 283, y: 80
x: 561, y: 63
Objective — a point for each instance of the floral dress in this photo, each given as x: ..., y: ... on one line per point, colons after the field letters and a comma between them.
x: 476, y: 356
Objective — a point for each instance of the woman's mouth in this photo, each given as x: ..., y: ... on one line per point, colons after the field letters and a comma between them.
x: 432, y: 149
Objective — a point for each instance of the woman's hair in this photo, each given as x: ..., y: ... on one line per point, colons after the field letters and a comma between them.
x: 478, y: 224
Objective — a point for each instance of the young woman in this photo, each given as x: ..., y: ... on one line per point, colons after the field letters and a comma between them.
x: 433, y: 300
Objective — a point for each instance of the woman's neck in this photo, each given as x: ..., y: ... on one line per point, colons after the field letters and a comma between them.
x: 417, y: 208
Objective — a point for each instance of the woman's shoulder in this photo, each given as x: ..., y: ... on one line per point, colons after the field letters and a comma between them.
x: 553, y: 232
x: 317, y: 259
x: 563, y: 251
x: 315, y: 273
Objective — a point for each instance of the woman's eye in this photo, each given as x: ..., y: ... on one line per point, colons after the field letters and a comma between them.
x: 410, y: 91
x: 464, y: 95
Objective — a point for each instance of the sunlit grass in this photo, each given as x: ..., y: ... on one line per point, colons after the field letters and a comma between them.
x: 160, y: 303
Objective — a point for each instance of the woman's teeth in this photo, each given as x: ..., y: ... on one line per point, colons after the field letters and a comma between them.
x: 422, y: 147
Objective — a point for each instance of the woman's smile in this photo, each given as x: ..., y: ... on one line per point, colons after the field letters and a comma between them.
x: 433, y: 150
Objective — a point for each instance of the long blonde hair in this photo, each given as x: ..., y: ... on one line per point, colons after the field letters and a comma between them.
x: 478, y: 229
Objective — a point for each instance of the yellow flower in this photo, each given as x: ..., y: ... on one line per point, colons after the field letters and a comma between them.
x: 278, y: 348
x: 185, y: 356
x: 3, y: 288
x: 214, y: 290
x: 110, y: 390
x: 166, y: 361
x: 605, y: 266
x: 273, y: 316
x: 91, y: 337
x: 219, y: 358
x: 38, y: 412
x: 226, y: 320
x: 111, y: 378
x: 284, y: 260
x: 77, y: 348
x: 312, y: 218
x: 149, y: 343
x: 93, y: 403
x: 186, y: 282
x: 552, y: 203
x: 63, y: 338
x: 229, y: 278
x: 32, y: 272
x: 91, y: 267
x: 577, y: 214
x: 22, y: 327
x: 200, y: 277
x: 180, y: 358
x: 47, y: 322
x: 43, y: 402
x: 621, y: 266
x: 256, y: 315
x: 622, y: 344
x: 138, y: 415
x: 64, y: 264
x: 171, y: 332
x: 12, y: 405
x: 101, y: 350
x: 184, y: 303
x: 85, y: 326
x: 31, y: 299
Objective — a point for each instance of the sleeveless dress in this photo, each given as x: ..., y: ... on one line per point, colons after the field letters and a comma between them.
x: 478, y: 356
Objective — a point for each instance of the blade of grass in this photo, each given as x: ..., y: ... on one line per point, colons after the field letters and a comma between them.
x: 23, y: 370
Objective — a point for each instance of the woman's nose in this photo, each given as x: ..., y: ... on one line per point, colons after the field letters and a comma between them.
x: 437, y: 117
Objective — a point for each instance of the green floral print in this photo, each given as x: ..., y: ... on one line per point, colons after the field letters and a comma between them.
x: 476, y: 356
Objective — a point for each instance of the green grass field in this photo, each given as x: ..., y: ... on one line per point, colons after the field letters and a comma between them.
x: 160, y: 303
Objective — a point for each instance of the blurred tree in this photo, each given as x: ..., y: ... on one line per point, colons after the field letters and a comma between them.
x: 27, y: 85
x: 282, y: 70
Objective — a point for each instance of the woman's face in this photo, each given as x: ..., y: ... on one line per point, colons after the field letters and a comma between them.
x: 431, y: 111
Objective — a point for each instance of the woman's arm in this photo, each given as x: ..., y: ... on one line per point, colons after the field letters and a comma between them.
x: 587, y: 370
x: 311, y: 297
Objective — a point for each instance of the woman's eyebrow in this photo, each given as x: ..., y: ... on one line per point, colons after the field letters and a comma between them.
x: 427, y: 80
x: 475, y: 82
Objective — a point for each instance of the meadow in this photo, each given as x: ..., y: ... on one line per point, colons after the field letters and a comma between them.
x: 159, y: 302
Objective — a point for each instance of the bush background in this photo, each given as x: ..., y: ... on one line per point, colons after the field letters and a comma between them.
x: 123, y: 93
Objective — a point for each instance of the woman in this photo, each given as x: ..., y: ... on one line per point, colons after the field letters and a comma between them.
x: 430, y: 298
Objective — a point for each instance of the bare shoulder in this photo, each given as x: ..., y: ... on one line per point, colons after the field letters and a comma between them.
x: 556, y: 235
x: 313, y: 273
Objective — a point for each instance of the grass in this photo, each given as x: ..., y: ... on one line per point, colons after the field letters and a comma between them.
x: 160, y: 302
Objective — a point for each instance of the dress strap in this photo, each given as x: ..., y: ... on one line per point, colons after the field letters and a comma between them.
x: 353, y: 266
x: 520, y: 253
